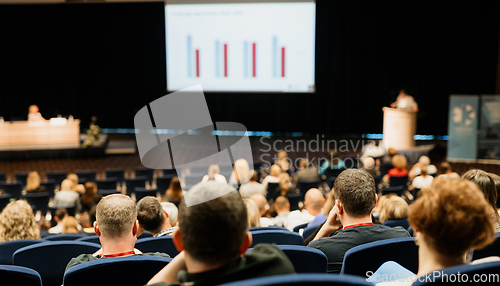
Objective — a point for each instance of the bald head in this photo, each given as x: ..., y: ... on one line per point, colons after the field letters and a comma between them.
x: 424, y: 160
x: 281, y: 204
x: 261, y: 202
x: 314, y: 200
x: 368, y: 163
x: 275, y: 170
x: 67, y: 184
x: 116, y: 215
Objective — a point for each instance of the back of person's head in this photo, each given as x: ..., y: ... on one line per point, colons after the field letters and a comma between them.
x: 355, y: 189
x: 254, y: 177
x: 275, y: 170
x: 150, y: 214
x: 485, y: 183
x: 423, y: 171
x: 212, y: 171
x: 424, y: 160
x: 304, y: 163
x: 116, y: 215
x: 261, y: 202
x: 221, y: 221
x: 444, y: 168
x: 314, y: 200
x: 253, y: 212
x: 453, y: 217
x: 32, y: 181
x: 17, y: 221
x: 282, y: 155
x: 392, y: 152
x: 496, y: 179
x: 174, y: 191
x: 88, y: 195
x: 67, y: 184
x: 74, y: 178
x: 394, y: 208
x: 399, y: 162
x: 369, y: 163
x: 69, y: 225
x: 284, y: 183
x: 282, y: 204
x: 242, y: 171
x: 172, y: 212
x: 61, y: 214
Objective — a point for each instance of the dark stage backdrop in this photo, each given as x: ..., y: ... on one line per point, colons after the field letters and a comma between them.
x: 108, y: 60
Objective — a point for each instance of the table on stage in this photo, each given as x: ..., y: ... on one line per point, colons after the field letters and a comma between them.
x: 400, y: 126
x: 57, y: 133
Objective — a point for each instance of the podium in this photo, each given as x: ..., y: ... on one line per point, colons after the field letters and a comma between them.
x: 400, y: 126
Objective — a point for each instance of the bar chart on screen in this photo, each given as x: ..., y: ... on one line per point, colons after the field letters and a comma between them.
x: 241, y: 47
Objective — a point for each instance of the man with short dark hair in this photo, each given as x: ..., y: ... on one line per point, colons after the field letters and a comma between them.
x: 116, y: 225
x: 153, y: 218
x: 213, y: 238
x: 355, y: 199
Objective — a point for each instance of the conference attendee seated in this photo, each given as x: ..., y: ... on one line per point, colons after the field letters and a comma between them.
x: 313, y: 203
x: 445, y: 170
x: 351, y: 219
x: 17, y: 221
x: 273, y: 177
x: 283, y: 161
x: 371, y: 167
x: 253, y: 213
x: 394, y: 208
x: 387, y: 159
x: 172, y: 212
x: 58, y: 217
x: 423, y: 161
x: 463, y: 224
x: 33, y: 183
x: 174, y: 192
x: 252, y: 187
x: 282, y: 208
x: 423, y: 180
x: 241, y: 173
x: 213, y: 174
x: 373, y: 149
x: 285, y: 186
x: 487, y: 186
x: 116, y: 225
x: 399, y: 170
x: 90, y: 197
x: 261, y: 202
x: 153, y: 218
x: 306, y: 172
x: 67, y: 197
x: 220, y: 255
x: 70, y: 225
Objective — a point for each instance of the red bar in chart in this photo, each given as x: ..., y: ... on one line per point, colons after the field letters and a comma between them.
x: 225, y: 60
x: 197, y: 63
x: 282, y: 61
x: 253, y: 59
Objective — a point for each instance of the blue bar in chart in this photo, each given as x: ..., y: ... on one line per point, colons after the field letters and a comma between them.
x: 245, y: 59
x: 217, y: 59
x: 275, y: 56
x: 189, y: 63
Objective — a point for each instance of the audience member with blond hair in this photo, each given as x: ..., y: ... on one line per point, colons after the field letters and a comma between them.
x: 17, y: 221
x: 273, y: 177
x: 70, y: 225
x: 213, y: 174
x: 399, y: 163
x: 487, y: 186
x: 33, y: 183
x: 394, y: 208
x: 252, y: 213
x: 463, y: 224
